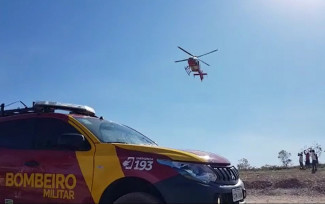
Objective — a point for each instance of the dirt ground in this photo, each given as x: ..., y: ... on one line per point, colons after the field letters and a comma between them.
x: 284, y: 186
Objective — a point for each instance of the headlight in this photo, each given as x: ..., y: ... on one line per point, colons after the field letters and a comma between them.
x: 199, y: 172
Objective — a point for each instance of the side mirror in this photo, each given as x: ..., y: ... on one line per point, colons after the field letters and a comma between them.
x: 73, y: 141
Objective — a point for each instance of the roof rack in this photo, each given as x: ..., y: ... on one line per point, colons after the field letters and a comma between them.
x: 49, y: 107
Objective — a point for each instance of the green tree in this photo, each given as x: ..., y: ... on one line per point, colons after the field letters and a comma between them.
x: 243, y: 164
x: 317, y: 147
x: 284, y: 157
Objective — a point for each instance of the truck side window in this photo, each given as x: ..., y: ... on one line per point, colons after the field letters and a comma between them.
x: 17, y: 134
x: 50, y: 131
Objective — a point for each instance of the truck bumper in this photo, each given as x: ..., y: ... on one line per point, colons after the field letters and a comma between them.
x: 179, y: 189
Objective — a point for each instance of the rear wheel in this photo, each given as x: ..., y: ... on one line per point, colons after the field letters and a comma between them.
x: 137, y: 197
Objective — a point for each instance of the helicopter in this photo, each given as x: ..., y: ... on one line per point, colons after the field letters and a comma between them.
x: 194, y: 63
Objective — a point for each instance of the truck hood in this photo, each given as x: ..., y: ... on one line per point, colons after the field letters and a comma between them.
x: 178, y: 155
x: 210, y: 157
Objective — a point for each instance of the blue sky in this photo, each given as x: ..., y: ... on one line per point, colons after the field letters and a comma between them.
x: 265, y: 89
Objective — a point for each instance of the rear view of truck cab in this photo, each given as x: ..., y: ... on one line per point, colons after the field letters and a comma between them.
x: 63, y: 153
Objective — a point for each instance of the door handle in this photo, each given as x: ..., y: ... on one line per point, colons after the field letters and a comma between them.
x: 31, y: 163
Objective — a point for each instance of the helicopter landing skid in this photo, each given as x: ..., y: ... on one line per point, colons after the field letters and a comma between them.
x: 188, y: 70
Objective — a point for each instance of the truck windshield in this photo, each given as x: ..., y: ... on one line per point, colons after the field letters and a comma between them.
x: 110, y: 132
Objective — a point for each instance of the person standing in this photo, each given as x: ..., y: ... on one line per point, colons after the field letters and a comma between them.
x: 301, y: 160
x: 307, y: 163
x: 314, y: 161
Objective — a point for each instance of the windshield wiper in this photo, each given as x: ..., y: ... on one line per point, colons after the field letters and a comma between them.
x: 118, y: 142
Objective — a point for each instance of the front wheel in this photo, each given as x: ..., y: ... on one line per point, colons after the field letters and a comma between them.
x: 137, y: 197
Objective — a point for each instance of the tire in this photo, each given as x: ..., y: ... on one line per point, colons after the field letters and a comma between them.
x: 137, y: 197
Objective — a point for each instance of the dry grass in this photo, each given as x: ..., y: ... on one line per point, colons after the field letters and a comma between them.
x: 285, y: 186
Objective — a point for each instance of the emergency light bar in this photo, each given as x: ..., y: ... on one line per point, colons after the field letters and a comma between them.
x: 73, y: 108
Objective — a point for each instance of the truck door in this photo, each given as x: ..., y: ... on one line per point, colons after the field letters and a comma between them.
x: 16, y: 150
x: 39, y: 162
x: 63, y: 160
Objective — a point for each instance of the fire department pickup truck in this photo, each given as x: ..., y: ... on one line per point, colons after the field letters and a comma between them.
x: 63, y: 153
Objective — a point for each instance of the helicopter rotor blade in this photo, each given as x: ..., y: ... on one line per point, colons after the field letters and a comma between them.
x: 181, y: 60
x: 208, y: 53
x: 204, y: 62
x: 185, y: 51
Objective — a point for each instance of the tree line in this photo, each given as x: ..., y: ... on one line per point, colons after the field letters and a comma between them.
x: 284, y: 157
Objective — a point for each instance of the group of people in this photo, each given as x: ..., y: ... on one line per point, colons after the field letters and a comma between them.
x: 309, y: 153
